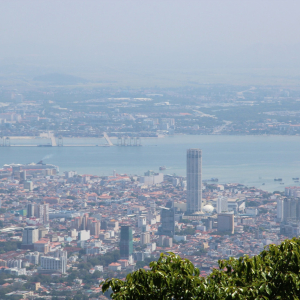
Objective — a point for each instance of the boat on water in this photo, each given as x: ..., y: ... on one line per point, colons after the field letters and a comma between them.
x: 278, y: 179
x: 281, y: 182
x: 214, y: 179
x: 211, y: 180
x: 296, y: 181
x: 162, y: 168
x: 263, y: 183
x: 296, y: 178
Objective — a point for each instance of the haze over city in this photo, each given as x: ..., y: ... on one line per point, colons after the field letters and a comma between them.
x: 129, y: 129
x: 152, y: 39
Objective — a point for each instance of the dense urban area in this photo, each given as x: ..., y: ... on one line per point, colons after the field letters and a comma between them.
x: 149, y: 150
x: 132, y: 113
x: 63, y: 234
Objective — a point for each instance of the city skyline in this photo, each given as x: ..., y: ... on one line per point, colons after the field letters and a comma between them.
x: 106, y: 108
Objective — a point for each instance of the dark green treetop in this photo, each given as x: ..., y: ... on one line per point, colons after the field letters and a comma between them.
x: 273, y: 274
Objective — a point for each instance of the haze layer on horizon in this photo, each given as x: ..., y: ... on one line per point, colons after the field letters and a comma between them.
x: 146, y: 38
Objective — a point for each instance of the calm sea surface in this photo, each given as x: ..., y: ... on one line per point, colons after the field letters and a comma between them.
x: 250, y: 160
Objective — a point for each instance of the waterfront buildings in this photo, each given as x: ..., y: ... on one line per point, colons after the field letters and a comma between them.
x: 194, y: 180
x: 152, y: 178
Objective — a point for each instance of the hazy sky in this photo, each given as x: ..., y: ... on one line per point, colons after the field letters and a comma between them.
x: 150, y: 33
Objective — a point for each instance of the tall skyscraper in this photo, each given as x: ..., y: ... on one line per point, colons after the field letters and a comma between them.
x: 126, y: 242
x: 194, y: 180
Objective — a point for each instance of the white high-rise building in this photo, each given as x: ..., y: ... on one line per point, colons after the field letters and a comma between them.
x: 57, y: 263
x: 53, y: 263
x: 142, y: 221
x: 194, y: 180
x: 14, y: 263
x: 222, y: 205
x: 84, y: 235
x: 33, y: 257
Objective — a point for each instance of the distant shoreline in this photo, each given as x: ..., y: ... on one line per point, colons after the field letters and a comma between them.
x: 150, y: 137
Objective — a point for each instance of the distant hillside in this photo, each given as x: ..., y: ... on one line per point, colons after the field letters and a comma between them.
x: 60, y: 79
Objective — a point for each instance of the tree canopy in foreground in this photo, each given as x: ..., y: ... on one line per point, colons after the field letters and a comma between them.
x: 273, y: 274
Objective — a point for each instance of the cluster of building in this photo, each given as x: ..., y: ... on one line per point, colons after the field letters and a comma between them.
x: 191, y: 111
x: 62, y: 222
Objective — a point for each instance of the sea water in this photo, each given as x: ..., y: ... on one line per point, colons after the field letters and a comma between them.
x: 250, y: 160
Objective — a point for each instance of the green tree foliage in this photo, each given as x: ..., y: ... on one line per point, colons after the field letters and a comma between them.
x: 186, y: 231
x: 169, y: 277
x: 273, y: 274
x: 252, y: 203
x: 142, y: 264
x: 186, y: 221
x: 9, y: 246
x: 105, y: 259
x: 200, y: 252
